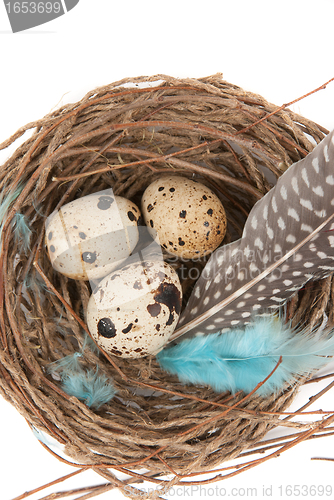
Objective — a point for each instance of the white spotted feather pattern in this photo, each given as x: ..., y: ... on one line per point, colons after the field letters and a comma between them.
x: 300, y: 202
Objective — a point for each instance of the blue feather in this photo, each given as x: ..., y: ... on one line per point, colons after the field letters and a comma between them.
x: 241, y: 358
x: 22, y: 232
x: 5, y: 203
x: 34, y: 283
x: 90, y: 387
x: 65, y: 365
x: 90, y: 344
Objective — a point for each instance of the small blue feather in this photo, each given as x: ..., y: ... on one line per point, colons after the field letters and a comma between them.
x: 65, y: 365
x: 5, y: 203
x: 90, y: 387
x: 241, y: 358
x: 34, y: 283
x: 90, y: 344
x: 22, y: 232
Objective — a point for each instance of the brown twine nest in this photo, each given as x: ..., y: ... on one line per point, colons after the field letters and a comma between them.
x: 124, y: 136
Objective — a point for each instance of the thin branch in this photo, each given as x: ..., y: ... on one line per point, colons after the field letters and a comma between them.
x: 284, y: 106
x: 47, y: 485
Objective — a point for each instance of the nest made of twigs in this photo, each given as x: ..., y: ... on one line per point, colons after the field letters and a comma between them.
x: 123, y: 136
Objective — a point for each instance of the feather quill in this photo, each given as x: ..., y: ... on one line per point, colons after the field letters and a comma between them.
x: 242, y: 358
x: 288, y: 239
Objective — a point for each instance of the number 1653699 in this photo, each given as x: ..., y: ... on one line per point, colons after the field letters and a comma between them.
x: 33, y: 7
x: 305, y: 490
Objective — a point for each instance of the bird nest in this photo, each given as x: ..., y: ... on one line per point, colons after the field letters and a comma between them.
x: 123, y: 136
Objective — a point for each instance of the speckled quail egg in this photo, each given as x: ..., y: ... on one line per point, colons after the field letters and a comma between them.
x: 90, y: 236
x: 188, y: 217
x: 134, y: 310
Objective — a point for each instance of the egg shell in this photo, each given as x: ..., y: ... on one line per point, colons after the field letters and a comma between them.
x: 90, y: 236
x: 134, y: 311
x: 188, y: 217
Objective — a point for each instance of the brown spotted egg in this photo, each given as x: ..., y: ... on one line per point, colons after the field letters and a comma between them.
x: 90, y: 236
x: 188, y: 218
x: 134, y: 310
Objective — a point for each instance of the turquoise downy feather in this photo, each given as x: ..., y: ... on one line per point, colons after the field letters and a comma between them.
x: 5, y: 203
x: 33, y: 282
x: 89, y: 386
x: 241, y: 358
x: 22, y: 232
x: 67, y: 364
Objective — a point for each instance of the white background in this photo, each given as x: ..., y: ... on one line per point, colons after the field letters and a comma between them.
x: 281, y: 50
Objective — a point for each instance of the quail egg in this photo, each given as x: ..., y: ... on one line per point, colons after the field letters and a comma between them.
x: 134, y: 310
x: 90, y: 236
x: 188, y: 218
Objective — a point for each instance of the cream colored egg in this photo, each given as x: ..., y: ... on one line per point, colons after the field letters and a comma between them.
x: 134, y: 310
x: 188, y: 217
x: 90, y: 236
